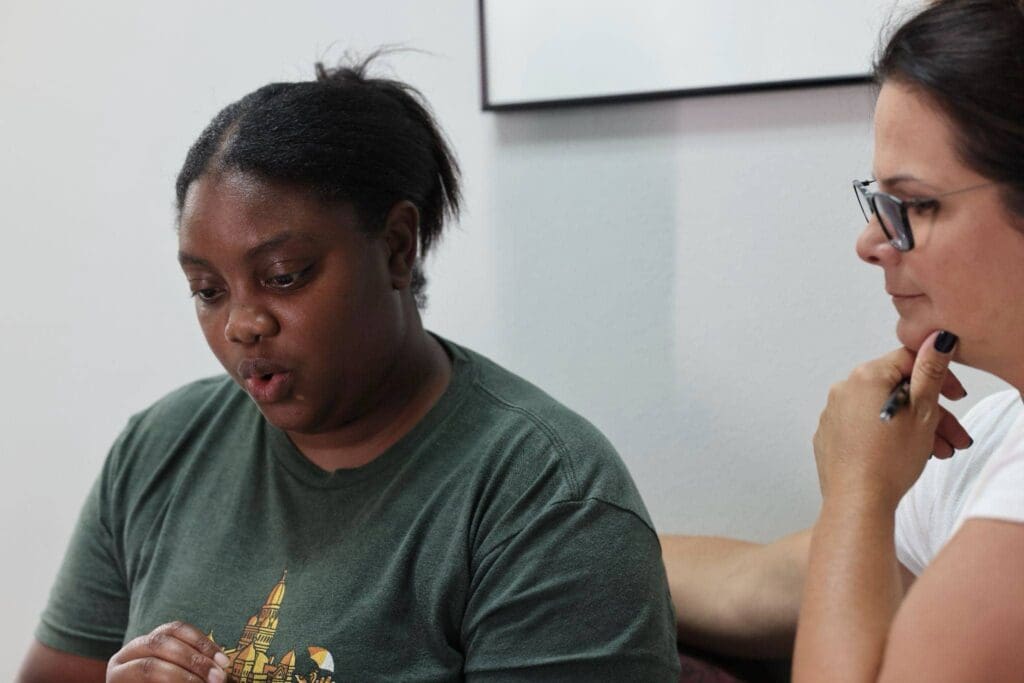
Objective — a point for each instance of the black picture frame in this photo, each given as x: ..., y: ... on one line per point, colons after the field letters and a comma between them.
x: 486, y: 103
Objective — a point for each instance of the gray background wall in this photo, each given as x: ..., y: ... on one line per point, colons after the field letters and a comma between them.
x: 681, y: 272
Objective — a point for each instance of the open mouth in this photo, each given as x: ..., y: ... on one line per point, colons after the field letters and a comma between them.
x: 269, y: 387
x: 265, y: 380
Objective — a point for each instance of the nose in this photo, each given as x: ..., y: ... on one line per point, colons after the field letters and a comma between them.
x: 873, y: 246
x: 247, y: 324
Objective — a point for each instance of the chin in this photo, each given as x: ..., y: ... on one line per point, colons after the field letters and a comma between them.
x: 911, y: 336
x: 287, y: 418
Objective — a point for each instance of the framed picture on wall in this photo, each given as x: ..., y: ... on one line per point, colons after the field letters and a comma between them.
x: 539, y: 53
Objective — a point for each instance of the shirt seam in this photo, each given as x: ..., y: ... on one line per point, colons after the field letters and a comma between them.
x: 548, y: 430
x: 508, y: 539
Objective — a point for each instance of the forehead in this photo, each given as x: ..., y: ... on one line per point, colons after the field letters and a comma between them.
x: 237, y: 210
x: 914, y: 138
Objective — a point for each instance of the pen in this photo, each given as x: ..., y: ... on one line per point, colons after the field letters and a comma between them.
x: 898, y: 397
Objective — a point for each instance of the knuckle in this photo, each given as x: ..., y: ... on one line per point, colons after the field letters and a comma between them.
x: 861, y: 373
x: 932, y: 369
x: 155, y: 639
x: 147, y: 666
x: 926, y: 413
x: 204, y: 645
x: 198, y: 662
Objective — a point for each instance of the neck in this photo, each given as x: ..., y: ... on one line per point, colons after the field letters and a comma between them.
x: 410, y: 388
x: 997, y: 364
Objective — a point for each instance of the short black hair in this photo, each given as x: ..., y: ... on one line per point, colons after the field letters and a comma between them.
x: 967, y: 57
x: 344, y: 136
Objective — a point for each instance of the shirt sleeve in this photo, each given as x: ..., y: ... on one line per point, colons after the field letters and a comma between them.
x: 87, y: 612
x: 578, y: 594
x: 927, y: 516
x: 914, y: 524
x: 999, y: 493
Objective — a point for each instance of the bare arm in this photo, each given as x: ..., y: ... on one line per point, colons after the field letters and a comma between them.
x: 865, y: 466
x: 735, y: 597
x: 44, y: 664
x: 964, y: 620
x: 740, y: 598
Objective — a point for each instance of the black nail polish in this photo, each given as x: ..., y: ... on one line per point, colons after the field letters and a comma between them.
x: 945, y: 342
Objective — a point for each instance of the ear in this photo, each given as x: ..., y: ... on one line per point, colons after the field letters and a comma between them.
x: 401, y: 234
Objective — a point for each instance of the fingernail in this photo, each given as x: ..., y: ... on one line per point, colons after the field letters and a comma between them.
x: 222, y: 660
x: 216, y: 676
x: 945, y: 342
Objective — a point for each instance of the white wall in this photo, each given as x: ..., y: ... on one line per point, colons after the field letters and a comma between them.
x: 681, y: 272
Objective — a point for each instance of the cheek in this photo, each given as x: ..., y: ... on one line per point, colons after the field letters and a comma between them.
x: 212, y: 327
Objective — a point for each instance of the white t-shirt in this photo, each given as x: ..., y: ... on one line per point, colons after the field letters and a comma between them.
x: 986, y: 480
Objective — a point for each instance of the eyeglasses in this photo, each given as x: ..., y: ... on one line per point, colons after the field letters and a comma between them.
x: 892, y: 211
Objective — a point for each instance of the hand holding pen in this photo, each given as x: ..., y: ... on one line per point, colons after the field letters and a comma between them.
x: 860, y: 455
x: 899, y: 397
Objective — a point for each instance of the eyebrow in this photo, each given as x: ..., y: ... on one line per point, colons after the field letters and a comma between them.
x: 275, y: 242
x: 903, y: 178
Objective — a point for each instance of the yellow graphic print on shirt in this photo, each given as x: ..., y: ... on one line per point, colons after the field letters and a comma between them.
x: 249, y: 661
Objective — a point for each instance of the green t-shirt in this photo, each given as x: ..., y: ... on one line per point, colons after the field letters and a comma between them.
x: 500, y: 539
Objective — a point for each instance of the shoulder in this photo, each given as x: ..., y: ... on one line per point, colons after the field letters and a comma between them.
x: 927, y: 515
x: 546, y: 436
x: 199, y: 406
x: 947, y: 482
x: 998, y: 489
x: 963, y: 618
x: 522, y: 402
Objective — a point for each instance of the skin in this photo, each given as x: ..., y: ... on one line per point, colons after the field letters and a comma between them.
x: 960, y: 247
x: 963, y: 276
x: 743, y: 598
x: 279, y: 275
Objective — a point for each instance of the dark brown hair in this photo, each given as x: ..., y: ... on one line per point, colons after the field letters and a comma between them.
x: 345, y: 137
x: 967, y: 56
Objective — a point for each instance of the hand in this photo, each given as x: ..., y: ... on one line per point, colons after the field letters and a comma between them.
x: 171, y: 652
x: 860, y: 455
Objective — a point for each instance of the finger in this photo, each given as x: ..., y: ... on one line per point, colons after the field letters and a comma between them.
x: 930, y: 372
x: 178, y: 643
x: 155, y: 669
x: 952, y: 388
x: 902, y: 360
x: 895, y: 366
x: 942, y: 449
x: 952, y: 431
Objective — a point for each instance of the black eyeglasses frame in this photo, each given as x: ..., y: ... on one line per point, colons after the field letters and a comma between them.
x: 900, y: 237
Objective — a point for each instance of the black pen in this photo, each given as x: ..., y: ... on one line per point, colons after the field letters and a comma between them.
x: 898, y: 397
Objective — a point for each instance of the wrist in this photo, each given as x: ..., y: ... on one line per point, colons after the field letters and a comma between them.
x: 863, y: 501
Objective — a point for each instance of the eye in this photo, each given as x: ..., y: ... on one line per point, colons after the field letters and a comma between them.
x: 288, y: 280
x: 207, y: 295
x: 923, y: 206
x: 283, y: 281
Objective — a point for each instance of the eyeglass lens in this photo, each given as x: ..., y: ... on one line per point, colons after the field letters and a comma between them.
x: 891, y: 217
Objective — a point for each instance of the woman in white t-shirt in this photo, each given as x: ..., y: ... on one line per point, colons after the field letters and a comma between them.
x: 945, y: 224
